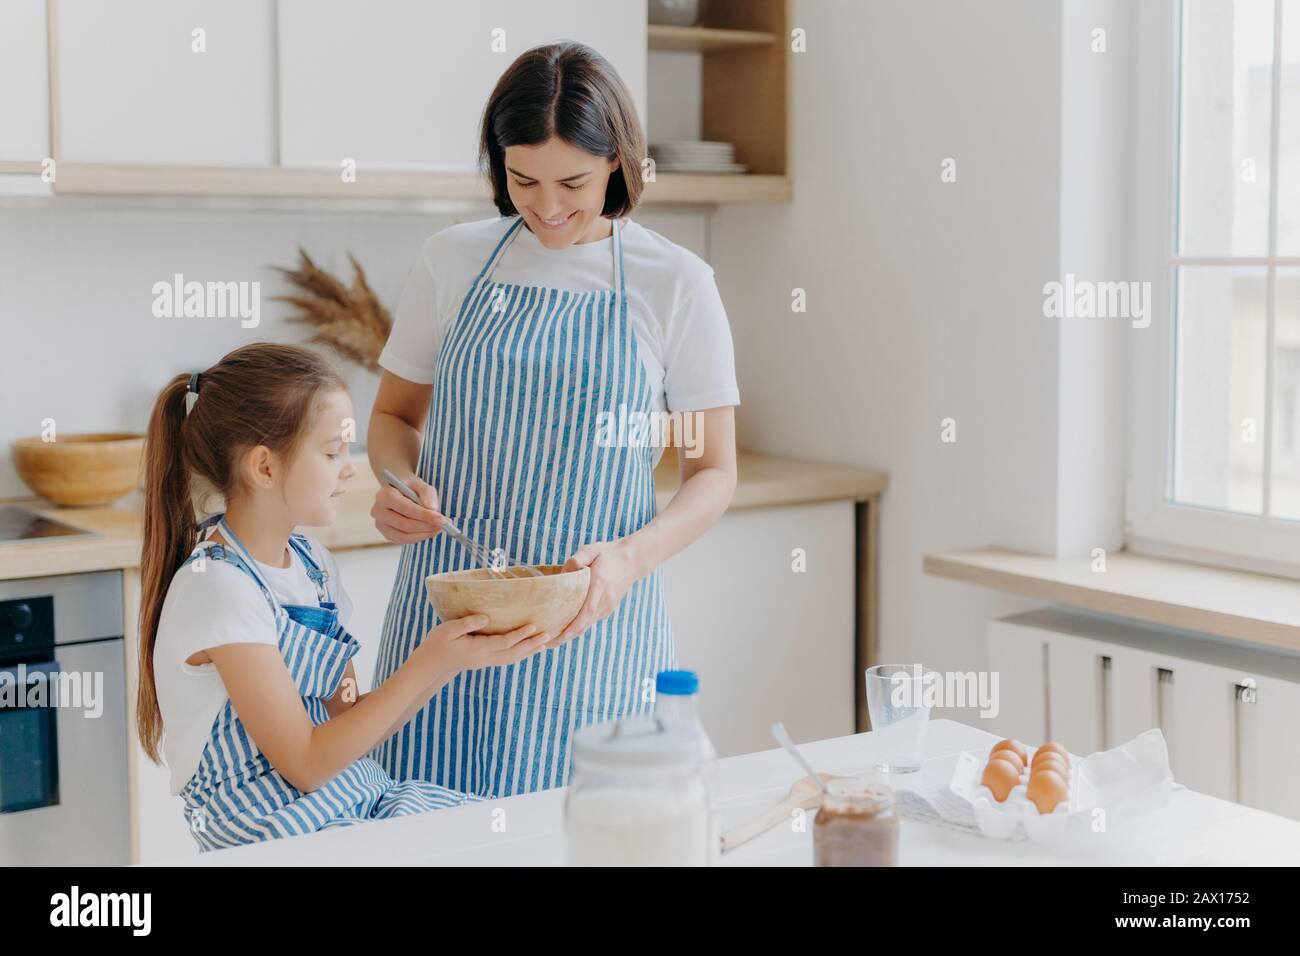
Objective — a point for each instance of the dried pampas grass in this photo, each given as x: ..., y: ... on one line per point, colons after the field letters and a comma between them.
x: 352, y: 322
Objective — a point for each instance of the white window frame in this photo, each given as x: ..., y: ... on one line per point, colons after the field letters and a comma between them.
x: 1155, y: 524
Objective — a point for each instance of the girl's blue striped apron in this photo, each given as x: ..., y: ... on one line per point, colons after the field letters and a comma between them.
x: 236, y: 796
x: 514, y: 447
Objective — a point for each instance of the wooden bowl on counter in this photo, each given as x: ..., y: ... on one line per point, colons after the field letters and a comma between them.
x: 90, y: 469
x: 550, y: 601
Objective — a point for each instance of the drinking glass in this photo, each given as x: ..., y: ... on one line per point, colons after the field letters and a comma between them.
x: 899, y: 697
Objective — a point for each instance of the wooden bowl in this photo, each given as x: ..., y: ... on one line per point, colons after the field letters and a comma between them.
x: 80, y: 469
x: 550, y: 601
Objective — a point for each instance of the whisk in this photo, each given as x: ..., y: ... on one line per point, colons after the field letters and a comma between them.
x: 476, y: 551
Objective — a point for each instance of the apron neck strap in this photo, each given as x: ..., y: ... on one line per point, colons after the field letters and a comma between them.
x: 318, y: 575
x: 618, y: 263
x: 500, y: 250
x: 228, y: 533
x: 617, y: 234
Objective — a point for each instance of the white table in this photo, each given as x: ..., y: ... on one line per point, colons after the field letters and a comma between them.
x: 528, y: 830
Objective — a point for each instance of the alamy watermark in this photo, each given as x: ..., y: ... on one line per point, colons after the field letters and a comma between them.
x: 179, y: 299
x: 40, y: 687
x: 1085, y: 299
x: 131, y: 910
x: 916, y: 687
x: 637, y: 429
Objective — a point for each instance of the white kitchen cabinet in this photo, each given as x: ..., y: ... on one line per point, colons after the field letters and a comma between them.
x: 133, y: 89
x: 24, y: 105
x: 161, y: 830
x: 1132, y: 704
x: 1195, y: 711
x: 401, y: 84
x: 1267, y: 723
x: 160, y: 817
x: 1104, y: 694
x: 769, y: 643
x: 1227, y: 712
x: 1077, y: 699
x: 1018, y: 659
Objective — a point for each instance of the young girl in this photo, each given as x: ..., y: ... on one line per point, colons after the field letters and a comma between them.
x: 244, y: 660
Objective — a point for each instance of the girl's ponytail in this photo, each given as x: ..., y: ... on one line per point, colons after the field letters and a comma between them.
x: 170, y: 533
x: 262, y: 394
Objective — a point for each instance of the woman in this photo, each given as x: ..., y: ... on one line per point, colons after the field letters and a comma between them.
x: 518, y: 343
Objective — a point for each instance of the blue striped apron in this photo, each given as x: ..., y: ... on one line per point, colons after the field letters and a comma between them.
x: 511, y: 445
x: 236, y: 796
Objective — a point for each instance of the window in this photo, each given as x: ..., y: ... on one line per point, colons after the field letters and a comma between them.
x: 1221, y: 468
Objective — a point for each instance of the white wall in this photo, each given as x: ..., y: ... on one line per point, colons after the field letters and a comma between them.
x: 924, y: 298
x: 79, y: 342
x: 1096, y: 116
x: 673, y: 94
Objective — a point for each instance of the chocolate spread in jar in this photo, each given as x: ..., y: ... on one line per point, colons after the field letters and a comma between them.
x: 855, y: 826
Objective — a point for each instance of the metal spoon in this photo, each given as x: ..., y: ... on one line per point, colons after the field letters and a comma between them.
x: 783, y: 738
x: 478, y: 553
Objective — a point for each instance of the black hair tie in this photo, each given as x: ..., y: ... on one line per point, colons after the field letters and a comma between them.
x: 192, y: 392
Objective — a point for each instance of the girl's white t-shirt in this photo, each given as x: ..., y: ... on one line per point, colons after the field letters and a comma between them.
x: 676, y: 312
x: 219, y: 605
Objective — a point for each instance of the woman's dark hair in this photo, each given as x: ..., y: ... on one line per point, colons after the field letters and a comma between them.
x: 261, y: 394
x: 570, y: 91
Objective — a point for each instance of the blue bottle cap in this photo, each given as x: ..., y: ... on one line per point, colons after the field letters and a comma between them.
x: 677, y: 682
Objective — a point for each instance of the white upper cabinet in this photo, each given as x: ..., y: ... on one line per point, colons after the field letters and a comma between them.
x: 24, y: 82
x: 168, y: 81
x: 401, y: 84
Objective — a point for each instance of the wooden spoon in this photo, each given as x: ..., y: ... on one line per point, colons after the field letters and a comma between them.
x: 805, y: 793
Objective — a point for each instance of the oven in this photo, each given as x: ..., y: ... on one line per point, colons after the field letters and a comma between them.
x: 64, y: 796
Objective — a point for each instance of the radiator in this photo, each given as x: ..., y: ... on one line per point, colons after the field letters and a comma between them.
x: 1229, y: 712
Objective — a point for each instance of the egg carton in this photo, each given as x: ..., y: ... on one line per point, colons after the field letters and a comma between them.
x: 1103, y: 787
x: 1001, y: 820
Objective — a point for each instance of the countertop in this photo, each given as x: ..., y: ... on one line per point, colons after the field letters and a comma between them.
x: 762, y: 481
x: 1191, y: 829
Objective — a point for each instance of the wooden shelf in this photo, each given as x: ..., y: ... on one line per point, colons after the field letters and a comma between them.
x: 95, y: 179
x: 103, y: 179
x: 745, y: 86
x: 702, y: 188
x: 704, y: 39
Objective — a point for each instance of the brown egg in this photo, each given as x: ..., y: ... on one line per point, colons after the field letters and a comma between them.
x: 1052, y: 761
x: 1046, y: 789
x: 1013, y: 747
x: 1001, y: 777
x: 1008, y: 757
x: 1050, y: 747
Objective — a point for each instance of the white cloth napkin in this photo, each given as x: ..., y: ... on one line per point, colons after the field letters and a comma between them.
x: 1127, y: 780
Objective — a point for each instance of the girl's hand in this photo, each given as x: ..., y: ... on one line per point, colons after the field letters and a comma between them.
x: 400, y: 519
x: 454, y: 646
x: 612, y: 572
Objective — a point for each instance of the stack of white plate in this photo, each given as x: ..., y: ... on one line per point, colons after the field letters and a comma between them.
x: 695, y: 156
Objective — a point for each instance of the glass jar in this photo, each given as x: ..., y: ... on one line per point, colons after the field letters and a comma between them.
x: 637, y: 797
x: 856, y: 825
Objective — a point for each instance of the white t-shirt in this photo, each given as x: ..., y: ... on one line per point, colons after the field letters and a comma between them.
x: 674, y: 307
x: 219, y: 605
